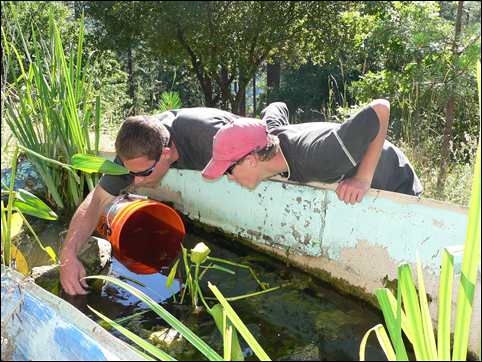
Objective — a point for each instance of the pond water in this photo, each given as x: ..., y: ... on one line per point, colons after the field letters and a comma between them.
x: 306, y: 320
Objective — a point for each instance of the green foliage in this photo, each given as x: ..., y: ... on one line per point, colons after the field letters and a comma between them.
x: 170, y: 100
x: 19, y: 18
x: 312, y: 92
x: 333, y: 55
x: 49, y: 108
x: 110, y: 81
x: 12, y: 219
x: 164, y: 314
x: 95, y: 164
x: 231, y: 316
x: 412, y: 65
x: 219, y: 43
x: 459, y: 178
x: 198, y: 256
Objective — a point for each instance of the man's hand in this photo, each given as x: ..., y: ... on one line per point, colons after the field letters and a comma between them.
x: 71, y: 271
x: 352, y: 190
x: 81, y: 227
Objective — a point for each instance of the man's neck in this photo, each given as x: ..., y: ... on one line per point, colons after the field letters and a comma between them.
x: 174, y: 154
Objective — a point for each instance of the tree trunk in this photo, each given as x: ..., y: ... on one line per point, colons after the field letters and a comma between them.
x: 225, y: 88
x: 238, y: 104
x: 447, y: 136
x: 254, y: 95
x: 207, y: 89
x: 242, y: 100
x: 273, y: 75
x: 132, y: 86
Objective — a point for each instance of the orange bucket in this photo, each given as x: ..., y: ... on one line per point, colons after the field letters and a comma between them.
x: 145, y: 234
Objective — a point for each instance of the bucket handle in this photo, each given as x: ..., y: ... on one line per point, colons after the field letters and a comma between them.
x: 125, y: 196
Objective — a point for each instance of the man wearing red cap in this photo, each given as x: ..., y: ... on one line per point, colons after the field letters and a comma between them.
x: 354, y: 153
x: 148, y: 146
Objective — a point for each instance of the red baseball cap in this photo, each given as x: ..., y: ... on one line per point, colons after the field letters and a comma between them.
x: 234, y: 141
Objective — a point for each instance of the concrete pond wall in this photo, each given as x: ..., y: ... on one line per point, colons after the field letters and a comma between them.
x: 357, y: 248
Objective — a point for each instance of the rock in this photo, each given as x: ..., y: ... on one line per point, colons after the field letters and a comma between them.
x: 48, y: 277
x: 169, y: 340
x: 26, y: 178
x: 165, y: 337
x: 94, y: 255
x: 309, y: 352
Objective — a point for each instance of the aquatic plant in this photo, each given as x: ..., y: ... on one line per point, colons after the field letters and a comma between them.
x: 230, y: 323
x: 414, y: 318
x: 50, y: 107
x: 20, y: 202
x: 198, y: 256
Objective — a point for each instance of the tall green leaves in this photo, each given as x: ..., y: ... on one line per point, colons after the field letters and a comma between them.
x: 12, y: 220
x: 168, y: 317
x: 225, y: 317
x: 50, y: 107
x: 470, y: 262
x: 239, y: 325
x: 95, y: 164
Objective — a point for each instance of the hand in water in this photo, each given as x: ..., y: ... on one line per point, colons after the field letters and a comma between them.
x: 71, y: 271
x: 352, y: 190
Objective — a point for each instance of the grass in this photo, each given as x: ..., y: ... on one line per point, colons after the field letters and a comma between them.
x: 457, y: 183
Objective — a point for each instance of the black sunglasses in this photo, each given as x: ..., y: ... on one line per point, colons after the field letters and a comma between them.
x: 230, y: 169
x: 145, y: 173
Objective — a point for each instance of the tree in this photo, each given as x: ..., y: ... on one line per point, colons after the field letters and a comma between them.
x: 447, y: 135
x: 226, y: 42
x: 117, y: 27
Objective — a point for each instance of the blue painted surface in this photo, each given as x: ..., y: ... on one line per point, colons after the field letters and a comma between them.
x: 403, y: 229
x: 41, y: 326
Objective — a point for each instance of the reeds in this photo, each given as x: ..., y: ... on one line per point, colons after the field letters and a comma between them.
x: 225, y: 318
x: 50, y: 107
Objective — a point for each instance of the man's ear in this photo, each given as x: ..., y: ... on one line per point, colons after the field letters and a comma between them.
x: 252, y: 160
x: 166, y: 153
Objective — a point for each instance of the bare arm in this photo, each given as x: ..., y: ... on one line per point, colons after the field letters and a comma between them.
x: 81, y: 227
x: 353, y: 189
